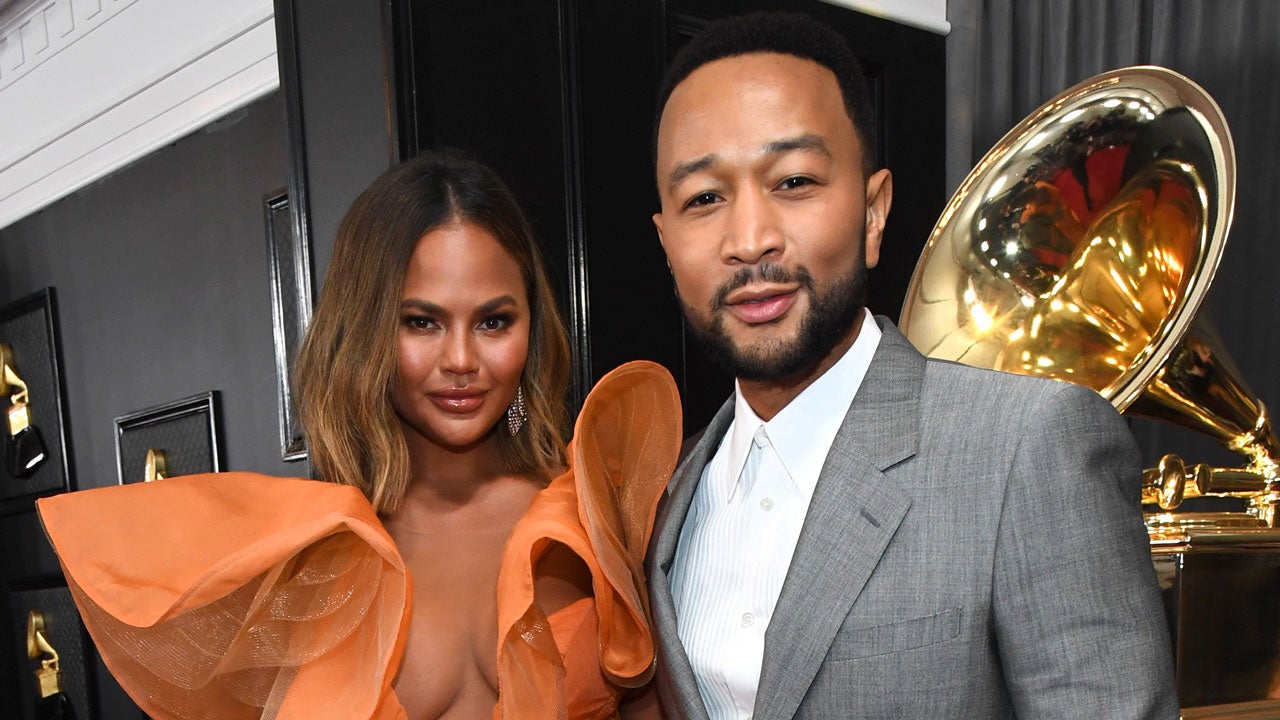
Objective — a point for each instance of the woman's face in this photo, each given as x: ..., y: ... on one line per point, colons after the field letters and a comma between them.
x: 463, y: 336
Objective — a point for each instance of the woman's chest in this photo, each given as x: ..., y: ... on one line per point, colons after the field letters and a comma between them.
x: 449, y: 667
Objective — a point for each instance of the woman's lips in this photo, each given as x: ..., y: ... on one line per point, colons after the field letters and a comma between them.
x: 756, y: 311
x: 457, y: 402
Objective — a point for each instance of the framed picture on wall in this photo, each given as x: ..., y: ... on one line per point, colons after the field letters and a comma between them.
x: 50, y: 649
x: 176, y: 438
x: 290, y: 261
x: 34, y: 447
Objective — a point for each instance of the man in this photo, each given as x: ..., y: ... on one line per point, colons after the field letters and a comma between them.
x: 861, y: 532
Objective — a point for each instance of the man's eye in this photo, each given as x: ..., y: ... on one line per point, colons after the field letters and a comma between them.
x: 706, y: 198
x: 792, y: 183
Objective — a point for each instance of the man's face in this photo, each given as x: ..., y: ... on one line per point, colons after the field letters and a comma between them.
x: 767, y: 220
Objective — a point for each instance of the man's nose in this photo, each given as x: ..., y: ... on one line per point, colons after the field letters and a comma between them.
x: 754, y: 233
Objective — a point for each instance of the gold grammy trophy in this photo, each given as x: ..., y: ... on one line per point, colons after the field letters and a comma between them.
x: 1080, y: 248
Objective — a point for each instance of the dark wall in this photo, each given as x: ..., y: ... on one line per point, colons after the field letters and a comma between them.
x: 334, y: 75
x: 163, y: 290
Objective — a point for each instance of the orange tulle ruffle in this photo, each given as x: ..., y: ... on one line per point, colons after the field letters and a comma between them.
x: 237, y: 595
x: 625, y: 446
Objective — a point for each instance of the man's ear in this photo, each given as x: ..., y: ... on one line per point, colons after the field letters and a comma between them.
x: 657, y: 223
x: 879, y: 199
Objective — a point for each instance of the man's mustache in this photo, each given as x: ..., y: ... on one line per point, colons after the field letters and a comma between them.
x: 765, y: 272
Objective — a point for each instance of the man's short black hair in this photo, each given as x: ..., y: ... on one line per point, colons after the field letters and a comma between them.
x: 787, y: 34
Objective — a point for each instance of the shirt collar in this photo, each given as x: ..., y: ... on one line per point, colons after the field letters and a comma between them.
x: 802, y: 432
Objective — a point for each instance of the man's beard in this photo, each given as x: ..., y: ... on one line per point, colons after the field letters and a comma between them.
x: 831, y: 313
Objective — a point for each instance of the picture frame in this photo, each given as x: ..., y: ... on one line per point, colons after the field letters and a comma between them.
x: 289, y: 259
x: 63, y: 631
x: 29, y: 328
x: 185, y: 432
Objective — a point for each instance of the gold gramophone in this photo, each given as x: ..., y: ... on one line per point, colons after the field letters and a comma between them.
x: 24, y: 448
x: 1080, y: 248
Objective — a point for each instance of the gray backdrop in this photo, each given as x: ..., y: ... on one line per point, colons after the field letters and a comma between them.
x: 164, y: 292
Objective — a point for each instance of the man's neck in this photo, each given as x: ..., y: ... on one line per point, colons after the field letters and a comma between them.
x: 768, y: 397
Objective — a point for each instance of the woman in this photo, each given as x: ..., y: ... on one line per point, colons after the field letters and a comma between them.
x: 431, y: 380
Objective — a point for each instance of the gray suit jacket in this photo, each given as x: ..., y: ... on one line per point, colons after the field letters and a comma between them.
x: 973, y: 549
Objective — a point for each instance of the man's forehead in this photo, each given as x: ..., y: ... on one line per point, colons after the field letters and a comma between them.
x: 758, y: 98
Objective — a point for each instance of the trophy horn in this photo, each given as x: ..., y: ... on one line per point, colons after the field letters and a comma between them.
x: 1081, y: 248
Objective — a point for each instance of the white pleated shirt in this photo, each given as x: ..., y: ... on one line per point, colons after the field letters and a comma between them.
x: 743, y: 524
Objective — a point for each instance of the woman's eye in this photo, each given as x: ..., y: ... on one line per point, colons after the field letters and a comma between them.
x: 495, y: 323
x: 418, y: 322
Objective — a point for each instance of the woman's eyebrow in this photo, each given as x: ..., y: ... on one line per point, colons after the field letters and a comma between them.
x: 496, y: 303
x: 422, y: 306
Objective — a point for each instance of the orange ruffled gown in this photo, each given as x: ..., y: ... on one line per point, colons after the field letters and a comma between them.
x: 238, y: 595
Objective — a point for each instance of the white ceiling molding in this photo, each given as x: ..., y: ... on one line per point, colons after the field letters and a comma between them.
x: 43, y: 29
x: 87, y: 86
x: 928, y: 15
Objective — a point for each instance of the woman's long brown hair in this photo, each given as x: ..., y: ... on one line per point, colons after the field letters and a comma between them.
x: 347, y: 363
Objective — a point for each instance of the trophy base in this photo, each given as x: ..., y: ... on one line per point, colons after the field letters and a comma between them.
x: 1174, y: 530
x: 1221, y: 584
x: 1264, y: 710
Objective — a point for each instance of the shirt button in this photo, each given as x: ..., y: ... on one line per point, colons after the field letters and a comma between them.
x: 748, y: 620
x: 766, y: 504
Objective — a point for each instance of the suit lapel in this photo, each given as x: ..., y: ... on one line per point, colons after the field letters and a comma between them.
x: 674, y: 507
x: 854, y: 513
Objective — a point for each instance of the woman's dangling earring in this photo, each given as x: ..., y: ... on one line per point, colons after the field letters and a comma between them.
x: 516, y: 413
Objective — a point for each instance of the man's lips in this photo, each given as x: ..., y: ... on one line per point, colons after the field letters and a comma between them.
x: 754, y: 306
x: 457, y: 400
